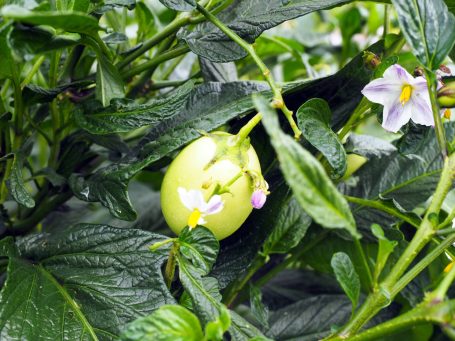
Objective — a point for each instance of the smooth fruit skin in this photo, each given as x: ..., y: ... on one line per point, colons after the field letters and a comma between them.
x: 187, y: 171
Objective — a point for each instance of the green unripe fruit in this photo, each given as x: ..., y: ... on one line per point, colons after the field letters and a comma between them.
x: 207, y: 163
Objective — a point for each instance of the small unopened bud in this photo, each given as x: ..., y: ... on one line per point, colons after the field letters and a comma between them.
x: 447, y: 114
x: 371, y: 60
x: 446, y: 95
x: 258, y: 198
x: 445, y: 69
x: 418, y: 72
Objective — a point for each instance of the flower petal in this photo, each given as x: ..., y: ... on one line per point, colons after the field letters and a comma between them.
x: 421, y: 110
x: 214, y: 205
x: 396, y: 116
x: 201, y: 221
x: 397, y: 74
x: 185, y: 198
x: 258, y: 199
x: 382, y: 91
x: 197, y: 199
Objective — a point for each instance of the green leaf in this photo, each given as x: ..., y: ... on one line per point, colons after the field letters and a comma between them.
x: 429, y: 29
x: 109, y: 83
x: 28, y: 40
x: 312, y: 188
x: 218, y: 72
x: 347, y: 276
x: 168, y: 323
x: 7, y: 64
x: 314, y: 118
x: 386, y: 247
x: 180, y: 5
x: 90, y: 280
x: 16, y: 184
x: 214, y: 330
x: 258, y: 309
x: 77, y: 22
x: 368, y: 146
x: 248, y: 18
x: 120, y: 117
x: 200, y: 247
x: 72, y: 5
x: 289, y: 227
x: 33, y: 94
x: 309, y: 319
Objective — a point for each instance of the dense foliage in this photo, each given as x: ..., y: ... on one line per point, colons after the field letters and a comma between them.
x: 347, y: 106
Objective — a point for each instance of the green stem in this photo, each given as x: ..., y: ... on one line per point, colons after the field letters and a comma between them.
x: 278, y: 101
x: 169, y: 272
x: 422, y: 314
x: 156, y: 61
x: 33, y: 71
x: 422, y: 264
x: 448, y: 221
x: 358, y: 111
x: 386, y: 21
x: 439, y: 294
x: 55, y: 114
x: 365, y: 264
x: 439, y: 127
x: 247, y: 128
x: 169, y: 30
x: 231, y: 292
x: 379, y: 298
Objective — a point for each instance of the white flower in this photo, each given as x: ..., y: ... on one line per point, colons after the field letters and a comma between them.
x: 194, y: 201
x: 403, y: 97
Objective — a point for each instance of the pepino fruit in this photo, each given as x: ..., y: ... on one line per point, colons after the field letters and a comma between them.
x: 215, y: 182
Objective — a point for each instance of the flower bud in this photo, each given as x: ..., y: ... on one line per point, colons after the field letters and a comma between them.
x: 371, y: 60
x: 446, y: 95
x: 258, y: 198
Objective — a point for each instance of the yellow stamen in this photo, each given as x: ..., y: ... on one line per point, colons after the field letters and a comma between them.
x: 449, y: 267
x: 194, y: 218
x: 447, y: 113
x: 406, y: 93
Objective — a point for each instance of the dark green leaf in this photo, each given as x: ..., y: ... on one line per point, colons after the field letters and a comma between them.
x: 33, y: 94
x: 429, y: 28
x: 258, y: 309
x: 109, y: 83
x: 210, y: 285
x: 199, y: 246
x: 67, y: 21
x: 90, y: 280
x: 168, y: 323
x: 309, y: 319
x: 218, y: 72
x: 347, y: 276
x: 289, y: 228
x: 16, y: 183
x: 120, y: 117
x: 314, y: 118
x: 180, y: 5
x: 386, y: 247
x: 368, y: 146
x: 311, y: 186
x: 248, y: 18
x: 38, y: 39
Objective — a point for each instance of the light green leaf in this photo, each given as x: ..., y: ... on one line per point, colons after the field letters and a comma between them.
x: 109, y: 83
x: 258, y: 309
x: 429, y: 28
x: 168, y: 323
x: 314, y: 119
x: 347, y: 276
x: 312, y: 187
x: 7, y: 64
x: 77, y: 22
x: 16, y: 184
x: 386, y: 247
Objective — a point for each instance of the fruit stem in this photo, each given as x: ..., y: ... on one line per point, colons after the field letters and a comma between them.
x: 247, y: 128
x: 169, y: 272
x: 277, y: 101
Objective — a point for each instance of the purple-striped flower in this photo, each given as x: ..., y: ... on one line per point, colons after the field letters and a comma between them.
x: 403, y: 97
x: 258, y: 198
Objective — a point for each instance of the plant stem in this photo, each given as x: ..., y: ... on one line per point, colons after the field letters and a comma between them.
x: 422, y: 264
x: 278, y: 101
x: 169, y: 30
x: 169, y: 272
x: 380, y: 297
x: 55, y: 114
x: 439, y: 127
x: 156, y: 61
x: 365, y: 264
x: 439, y: 294
x: 33, y: 71
x: 358, y: 111
x: 247, y: 128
